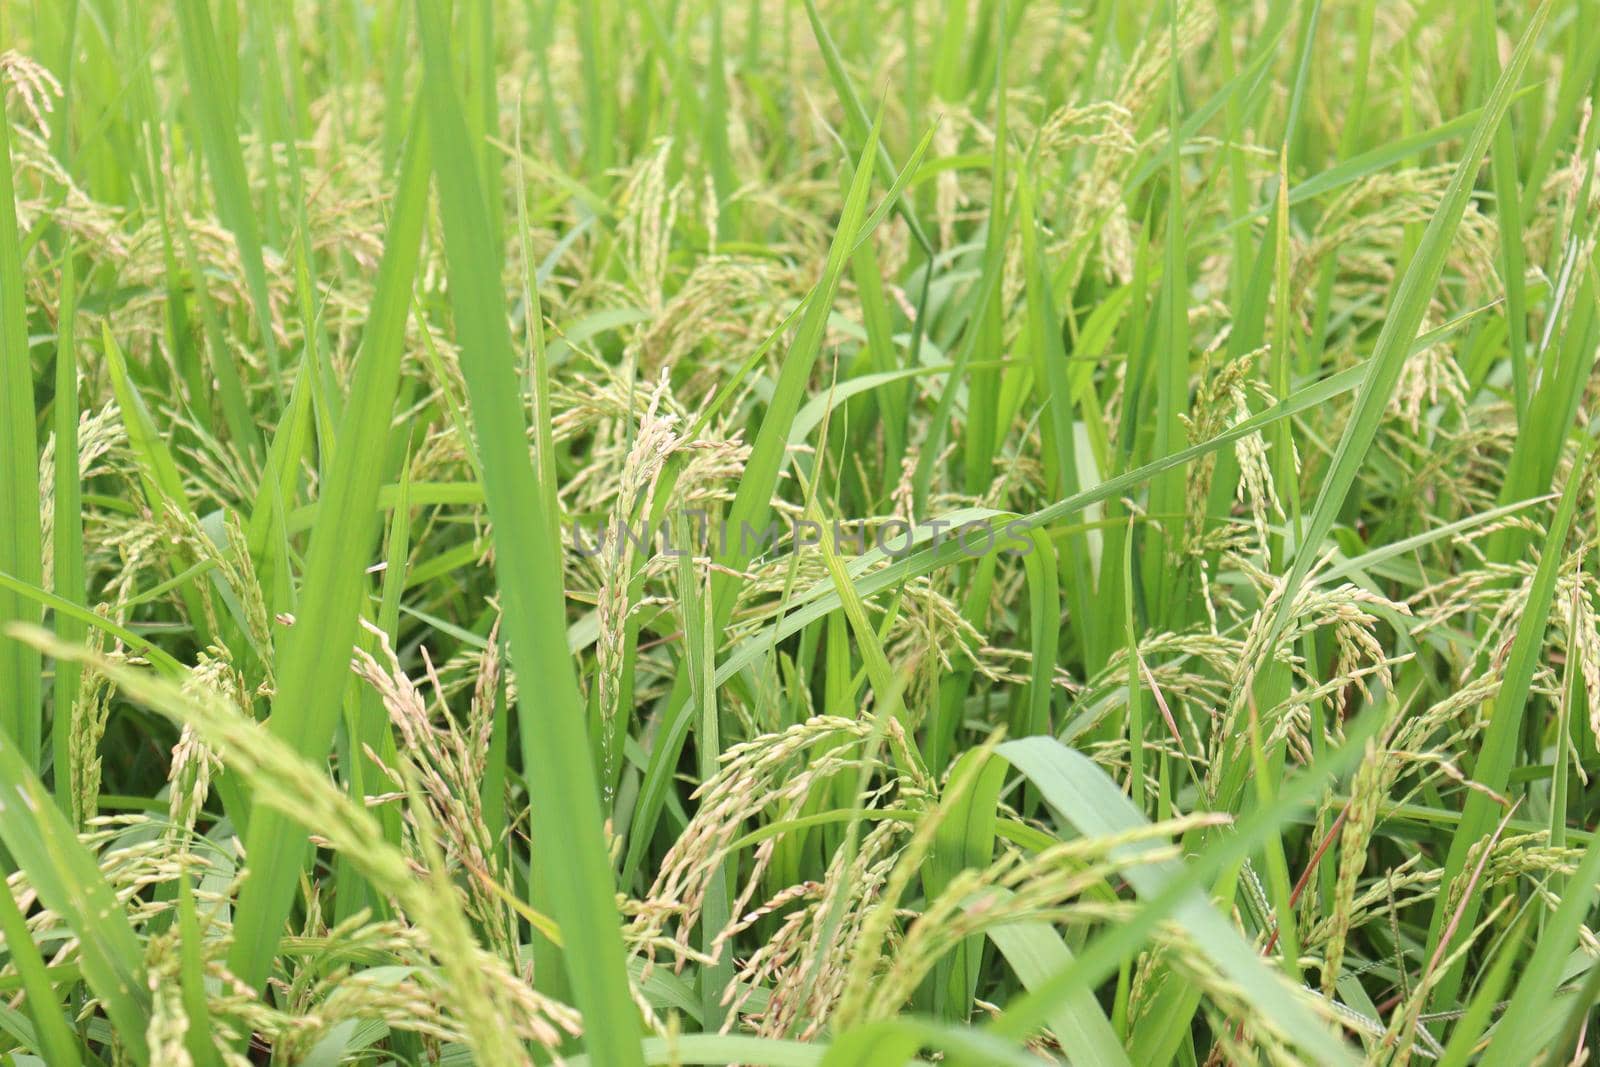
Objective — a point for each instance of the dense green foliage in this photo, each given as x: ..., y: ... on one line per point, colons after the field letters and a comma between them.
x: 796, y: 532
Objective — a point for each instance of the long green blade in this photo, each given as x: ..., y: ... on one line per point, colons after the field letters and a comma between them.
x: 569, y: 849
x: 20, y: 537
x: 314, y: 664
x: 1401, y: 323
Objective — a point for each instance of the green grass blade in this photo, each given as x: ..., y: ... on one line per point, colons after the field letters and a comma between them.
x: 191, y: 978
x: 1486, y: 999
x: 1508, y: 204
x: 1401, y: 323
x: 1498, y: 748
x: 753, y: 501
x: 1081, y: 793
x: 556, y: 756
x: 1514, y: 1034
x: 64, y: 873
x: 860, y: 121
x: 66, y: 608
x: 1168, y: 489
x: 964, y: 838
x: 897, y: 1041
x: 158, y: 468
x: 67, y: 533
x: 1179, y: 889
x: 54, y: 1038
x: 314, y: 665
x: 20, y: 535
x: 700, y: 660
x: 214, y: 106
x: 1035, y: 952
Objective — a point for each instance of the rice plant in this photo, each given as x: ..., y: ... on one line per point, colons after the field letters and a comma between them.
x: 798, y: 532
